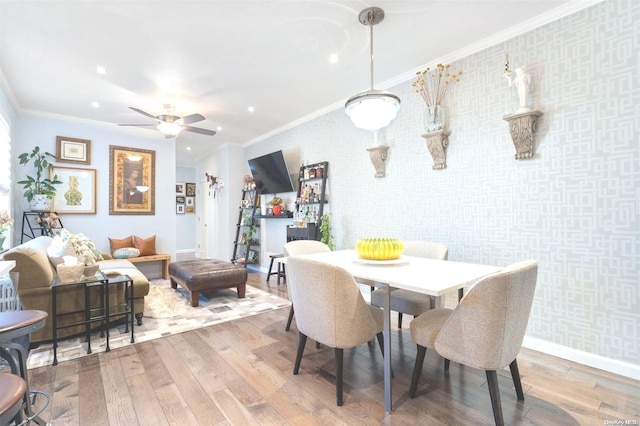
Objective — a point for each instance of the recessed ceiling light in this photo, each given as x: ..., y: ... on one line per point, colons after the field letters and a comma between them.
x: 251, y: 109
x: 188, y: 148
x: 95, y: 104
x: 101, y: 70
x: 333, y: 58
x: 219, y: 128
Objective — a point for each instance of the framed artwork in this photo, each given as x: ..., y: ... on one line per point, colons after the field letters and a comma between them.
x: 72, y: 150
x: 180, y: 208
x: 77, y: 194
x: 180, y: 188
x: 191, y: 201
x: 191, y: 189
x: 180, y: 200
x: 132, y: 177
x: 190, y: 209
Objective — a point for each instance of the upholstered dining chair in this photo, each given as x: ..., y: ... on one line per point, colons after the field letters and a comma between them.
x: 298, y: 247
x: 484, y: 331
x: 331, y: 310
x: 406, y: 301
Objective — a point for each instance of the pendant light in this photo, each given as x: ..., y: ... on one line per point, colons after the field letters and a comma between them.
x: 372, y: 109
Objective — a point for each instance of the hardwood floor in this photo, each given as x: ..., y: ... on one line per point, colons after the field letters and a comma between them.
x: 240, y: 373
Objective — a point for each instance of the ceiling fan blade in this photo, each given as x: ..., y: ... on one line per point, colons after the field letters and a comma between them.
x: 193, y: 118
x: 199, y: 130
x: 139, y: 125
x: 144, y: 113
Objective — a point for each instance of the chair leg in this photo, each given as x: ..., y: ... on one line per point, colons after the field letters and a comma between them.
x: 515, y: 375
x: 302, y: 340
x: 399, y: 319
x: 494, y: 392
x: 288, y: 326
x: 417, y: 369
x: 339, y: 379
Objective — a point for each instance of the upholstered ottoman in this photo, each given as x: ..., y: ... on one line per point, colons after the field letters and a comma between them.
x: 207, y: 274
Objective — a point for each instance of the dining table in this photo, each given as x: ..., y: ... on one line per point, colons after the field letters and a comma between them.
x: 433, y: 277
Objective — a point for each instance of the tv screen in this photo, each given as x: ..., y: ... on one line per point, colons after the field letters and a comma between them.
x: 270, y: 174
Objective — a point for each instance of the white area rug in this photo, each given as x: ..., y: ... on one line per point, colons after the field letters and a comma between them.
x: 167, y: 311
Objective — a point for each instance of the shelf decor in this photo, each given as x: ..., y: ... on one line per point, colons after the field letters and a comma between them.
x: 437, y: 142
x: 522, y: 126
x: 378, y: 155
x: 433, y: 85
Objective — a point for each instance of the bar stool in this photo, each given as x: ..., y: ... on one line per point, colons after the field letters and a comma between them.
x: 12, y: 391
x: 279, y: 268
x: 14, y: 325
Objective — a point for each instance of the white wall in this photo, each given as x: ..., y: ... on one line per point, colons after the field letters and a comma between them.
x: 574, y: 207
x: 29, y: 131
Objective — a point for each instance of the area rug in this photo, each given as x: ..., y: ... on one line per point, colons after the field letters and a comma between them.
x: 166, y: 312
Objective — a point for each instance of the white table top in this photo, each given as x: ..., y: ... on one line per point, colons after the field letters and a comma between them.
x: 6, y: 266
x: 428, y: 276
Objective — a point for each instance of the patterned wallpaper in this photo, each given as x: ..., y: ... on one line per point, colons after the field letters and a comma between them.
x: 574, y: 207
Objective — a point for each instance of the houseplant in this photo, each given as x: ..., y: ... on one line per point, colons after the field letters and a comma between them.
x: 39, y: 190
x: 325, y: 231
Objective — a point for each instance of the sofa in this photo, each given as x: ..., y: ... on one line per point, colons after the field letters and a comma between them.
x: 36, y: 274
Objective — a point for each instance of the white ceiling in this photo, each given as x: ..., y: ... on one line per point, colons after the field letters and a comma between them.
x: 218, y: 57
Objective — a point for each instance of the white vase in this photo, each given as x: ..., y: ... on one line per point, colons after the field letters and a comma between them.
x: 40, y: 202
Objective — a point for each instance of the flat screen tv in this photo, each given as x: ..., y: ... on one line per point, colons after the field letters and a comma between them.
x: 270, y: 174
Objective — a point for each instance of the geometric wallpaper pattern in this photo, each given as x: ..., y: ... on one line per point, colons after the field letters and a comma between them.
x: 574, y: 207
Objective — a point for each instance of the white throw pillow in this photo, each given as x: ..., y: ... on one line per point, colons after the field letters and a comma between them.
x: 59, y: 248
x: 126, y: 253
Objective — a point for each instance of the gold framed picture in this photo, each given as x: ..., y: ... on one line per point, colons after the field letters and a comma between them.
x: 72, y: 150
x: 131, y: 181
x: 77, y: 194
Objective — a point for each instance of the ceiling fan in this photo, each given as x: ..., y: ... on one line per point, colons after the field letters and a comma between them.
x: 170, y: 125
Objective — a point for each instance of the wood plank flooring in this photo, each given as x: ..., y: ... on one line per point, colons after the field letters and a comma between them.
x: 240, y: 373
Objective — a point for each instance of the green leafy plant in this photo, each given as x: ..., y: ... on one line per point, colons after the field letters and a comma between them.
x: 325, y: 231
x: 39, y: 184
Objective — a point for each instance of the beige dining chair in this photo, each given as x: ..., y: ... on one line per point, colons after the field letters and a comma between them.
x: 296, y: 248
x: 406, y: 301
x: 330, y: 310
x: 484, y: 331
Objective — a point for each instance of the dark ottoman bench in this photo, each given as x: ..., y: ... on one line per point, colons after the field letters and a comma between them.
x: 207, y: 274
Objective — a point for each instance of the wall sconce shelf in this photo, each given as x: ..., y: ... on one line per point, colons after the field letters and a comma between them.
x: 522, y: 126
x: 378, y: 155
x: 437, y: 142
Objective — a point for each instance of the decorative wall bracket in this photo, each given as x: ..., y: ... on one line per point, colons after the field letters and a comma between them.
x: 521, y: 126
x: 437, y: 142
x: 378, y: 155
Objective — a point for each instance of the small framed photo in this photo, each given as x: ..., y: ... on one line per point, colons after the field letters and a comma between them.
x: 190, y: 209
x: 191, y: 201
x: 180, y: 188
x: 180, y: 200
x: 191, y: 189
x: 179, y: 208
x: 72, y: 150
x: 269, y: 211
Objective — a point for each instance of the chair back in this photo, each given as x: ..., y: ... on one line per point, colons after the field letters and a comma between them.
x: 487, y: 327
x: 298, y: 247
x: 329, y: 307
x: 427, y: 249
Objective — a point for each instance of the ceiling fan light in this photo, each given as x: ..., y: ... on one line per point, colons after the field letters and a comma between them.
x: 169, y: 129
x: 373, y: 109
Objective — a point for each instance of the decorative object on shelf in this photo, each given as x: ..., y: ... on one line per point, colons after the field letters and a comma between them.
x: 522, y: 81
x: 437, y: 142
x: 372, y: 109
x: 78, y: 191
x: 39, y: 190
x: 522, y: 126
x: 379, y: 248
x: 5, y: 223
x: 378, y: 155
x: 72, y: 150
x: 248, y: 183
x: 214, y: 184
x: 434, y: 85
x: 276, y: 205
x: 132, y: 174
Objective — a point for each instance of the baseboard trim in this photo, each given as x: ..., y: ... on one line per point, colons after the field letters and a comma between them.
x: 585, y: 358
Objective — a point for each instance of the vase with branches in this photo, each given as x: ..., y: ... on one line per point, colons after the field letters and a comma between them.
x: 433, y: 85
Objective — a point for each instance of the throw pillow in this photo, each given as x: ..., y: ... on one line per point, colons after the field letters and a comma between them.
x: 147, y: 246
x: 86, y: 250
x: 58, y: 249
x: 126, y: 253
x: 115, y: 244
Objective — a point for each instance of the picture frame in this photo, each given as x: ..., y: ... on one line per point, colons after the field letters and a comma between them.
x: 73, y: 150
x: 191, y: 201
x: 78, y: 193
x: 180, y: 199
x: 180, y: 188
x: 179, y: 208
x: 190, y: 189
x: 132, y: 187
x: 190, y: 209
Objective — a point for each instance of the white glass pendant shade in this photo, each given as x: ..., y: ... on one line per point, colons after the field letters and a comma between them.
x: 169, y: 129
x: 373, y: 109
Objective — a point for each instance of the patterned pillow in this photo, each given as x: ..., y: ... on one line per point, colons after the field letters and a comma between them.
x: 147, y: 246
x: 85, y: 249
x: 126, y: 253
x: 115, y: 244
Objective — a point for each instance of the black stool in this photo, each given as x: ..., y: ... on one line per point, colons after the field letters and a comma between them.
x: 280, y: 268
x: 13, y: 325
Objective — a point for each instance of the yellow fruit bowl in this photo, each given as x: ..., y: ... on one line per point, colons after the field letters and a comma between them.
x: 379, y: 248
